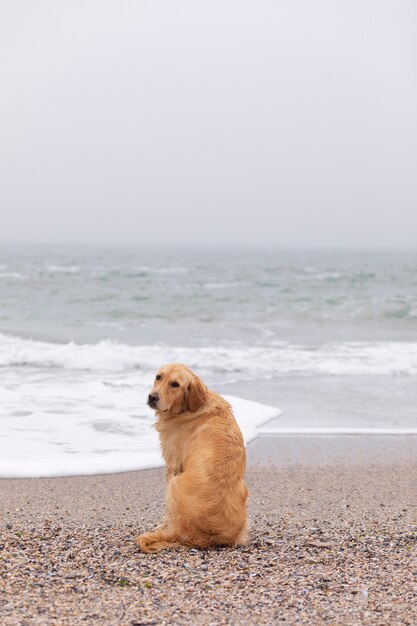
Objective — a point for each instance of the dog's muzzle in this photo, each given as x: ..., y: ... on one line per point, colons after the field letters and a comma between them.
x: 153, y: 400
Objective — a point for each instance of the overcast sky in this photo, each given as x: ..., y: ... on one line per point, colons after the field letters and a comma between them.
x: 289, y: 123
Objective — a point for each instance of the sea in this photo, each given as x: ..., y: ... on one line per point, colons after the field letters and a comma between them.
x: 297, y: 341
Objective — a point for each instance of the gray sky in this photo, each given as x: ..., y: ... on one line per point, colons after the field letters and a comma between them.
x: 289, y: 123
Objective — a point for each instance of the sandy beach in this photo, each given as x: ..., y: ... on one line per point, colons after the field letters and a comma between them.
x: 333, y: 541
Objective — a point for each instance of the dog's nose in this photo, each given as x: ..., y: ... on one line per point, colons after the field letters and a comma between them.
x: 153, y: 399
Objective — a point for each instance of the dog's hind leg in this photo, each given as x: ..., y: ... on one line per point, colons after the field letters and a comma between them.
x: 243, y: 536
x: 158, y: 540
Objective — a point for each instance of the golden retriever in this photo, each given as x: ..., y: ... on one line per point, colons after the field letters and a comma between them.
x: 205, y: 463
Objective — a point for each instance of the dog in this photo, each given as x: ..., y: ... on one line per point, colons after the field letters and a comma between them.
x: 205, y: 461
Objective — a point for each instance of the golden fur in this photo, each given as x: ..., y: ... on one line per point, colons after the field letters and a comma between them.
x: 205, y: 463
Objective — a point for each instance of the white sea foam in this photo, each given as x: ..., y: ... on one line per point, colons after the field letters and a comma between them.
x: 333, y: 358
x: 171, y: 270
x: 80, y: 408
x: 63, y: 269
x: 337, y: 431
x: 162, y: 270
x: 222, y: 285
x: 323, y: 276
x: 78, y: 423
x: 15, y: 275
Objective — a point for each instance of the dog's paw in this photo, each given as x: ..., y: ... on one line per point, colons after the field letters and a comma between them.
x: 146, y: 543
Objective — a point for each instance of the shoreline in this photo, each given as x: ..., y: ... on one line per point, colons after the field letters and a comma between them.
x: 333, y: 539
x: 287, y: 454
x: 115, y: 440
x: 282, y: 446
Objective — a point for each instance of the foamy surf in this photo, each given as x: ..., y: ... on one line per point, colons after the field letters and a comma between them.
x: 355, y: 358
x: 69, y: 409
x: 74, y: 408
x: 103, y: 430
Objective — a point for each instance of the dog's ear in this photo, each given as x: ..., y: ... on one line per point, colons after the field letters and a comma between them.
x: 197, y: 394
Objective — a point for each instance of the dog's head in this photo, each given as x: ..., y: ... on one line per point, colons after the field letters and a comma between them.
x: 177, y: 390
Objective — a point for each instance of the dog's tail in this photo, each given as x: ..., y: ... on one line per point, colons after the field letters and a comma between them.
x: 153, y: 542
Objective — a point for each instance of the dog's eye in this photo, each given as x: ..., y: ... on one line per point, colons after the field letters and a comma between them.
x: 174, y: 384
x: 158, y: 377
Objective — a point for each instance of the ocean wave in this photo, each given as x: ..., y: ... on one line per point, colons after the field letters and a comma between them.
x: 63, y: 269
x: 334, y: 276
x: 222, y: 285
x: 162, y: 270
x: 330, y: 276
x: 15, y: 275
x: 332, y: 358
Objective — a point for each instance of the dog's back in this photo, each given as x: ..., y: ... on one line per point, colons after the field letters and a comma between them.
x: 206, y: 493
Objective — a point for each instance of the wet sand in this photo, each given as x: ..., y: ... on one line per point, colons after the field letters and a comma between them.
x: 333, y: 540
